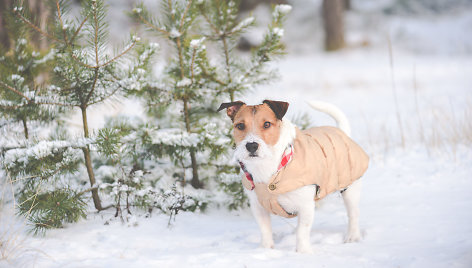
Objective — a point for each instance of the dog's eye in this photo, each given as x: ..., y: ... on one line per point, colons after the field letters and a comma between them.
x: 267, y: 125
x: 240, y: 126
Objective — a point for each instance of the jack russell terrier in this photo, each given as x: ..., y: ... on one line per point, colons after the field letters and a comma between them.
x: 286, y: 169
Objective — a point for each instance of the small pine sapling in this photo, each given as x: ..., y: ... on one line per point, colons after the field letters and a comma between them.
x: 190, y: 87
x: 235, y: 75
x: 21, y: 91
x: 43, y: 173
x: 85, y: 73
x: 181, y: 74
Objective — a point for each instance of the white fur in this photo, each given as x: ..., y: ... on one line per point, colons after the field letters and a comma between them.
x: 299, y: 201
x: 267, y: 162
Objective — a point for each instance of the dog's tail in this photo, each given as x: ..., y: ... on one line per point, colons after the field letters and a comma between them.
x: 334, y: 112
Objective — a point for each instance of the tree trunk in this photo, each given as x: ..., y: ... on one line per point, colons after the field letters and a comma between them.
x: 40, y: 13
x: 195, y: 180
x: 246, y: 5
x: 4, y: 38
x: 25, y: 126
x: 88, y: 163
x: 333, y: 24
x: 347, y: 5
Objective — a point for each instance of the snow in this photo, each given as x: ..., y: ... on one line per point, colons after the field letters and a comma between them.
x: 278, y: 31
x: 243, y: 24
x: 174, y: 33
x: 41, y: 150
x: 409, y: 219
x: 185, y: 82
x: 176, y: 136
x: 416, y: 209
x: 196, y: 43
x: 17, y: 78
x: 283, y: 9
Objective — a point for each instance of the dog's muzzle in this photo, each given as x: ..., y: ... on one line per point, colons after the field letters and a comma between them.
x: 252, y: 148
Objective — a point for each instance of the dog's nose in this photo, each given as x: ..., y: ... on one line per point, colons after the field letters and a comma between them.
x: 252, y: 147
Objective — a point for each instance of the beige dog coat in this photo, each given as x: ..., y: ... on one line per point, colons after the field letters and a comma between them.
x: 322, y: 156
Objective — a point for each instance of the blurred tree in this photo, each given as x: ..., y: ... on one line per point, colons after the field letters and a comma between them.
x: 4, y: 38
x: 333, y: 23
x: 85, y: 74
x: 347, y: 4
x: 40, y: 12
x: 251, y: 4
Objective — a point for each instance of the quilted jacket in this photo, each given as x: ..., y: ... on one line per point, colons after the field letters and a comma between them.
x: 322, y: 156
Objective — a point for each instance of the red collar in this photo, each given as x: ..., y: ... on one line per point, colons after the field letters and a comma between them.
x: 286, y: 157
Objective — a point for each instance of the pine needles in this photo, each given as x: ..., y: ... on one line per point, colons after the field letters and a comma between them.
x: 134, y: 164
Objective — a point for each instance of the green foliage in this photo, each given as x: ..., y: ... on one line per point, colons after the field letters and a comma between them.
x: 173, y: 201
x: 302, y: 120
x: 124, y: 180
x: 43, y: 173
x: 189, y: 131
x: 84, y: 74
x: 51, y: 209
x: 21, y: 94
x: 129, y: 180
x: 177, y: 161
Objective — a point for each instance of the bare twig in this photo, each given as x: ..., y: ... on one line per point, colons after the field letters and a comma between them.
x: 184, y: 15
x: 36, y: 28
x: 78, y: 29
x: 14, y: 90
x: 152, y: 26
x: 59, y: 16
x: 212, y: 26
x: 394, y: 89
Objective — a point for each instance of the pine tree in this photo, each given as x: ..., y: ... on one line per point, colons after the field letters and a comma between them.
x: 128, y: 177
x: 224, y: 28
x: 85, y: 74
x: 21, y: 70
x: 190, y: 87
x: 145, y: 165
x: 46, y: 169
x: 45, y: 174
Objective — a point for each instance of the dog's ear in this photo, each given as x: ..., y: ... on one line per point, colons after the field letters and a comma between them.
x: 279, y: 107
x: 231, y: 108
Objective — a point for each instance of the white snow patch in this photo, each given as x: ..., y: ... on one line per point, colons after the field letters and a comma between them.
x: 174, y: 33
x: 283, y: 9
x: 196, y: 43
x: 243, y: 24
x: 185, y: 82
x: 278, y: 31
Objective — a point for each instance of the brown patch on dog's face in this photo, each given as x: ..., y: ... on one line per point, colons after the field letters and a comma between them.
x: 258, y: 119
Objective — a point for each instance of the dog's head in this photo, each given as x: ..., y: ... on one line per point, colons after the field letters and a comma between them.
x: 256, y: 128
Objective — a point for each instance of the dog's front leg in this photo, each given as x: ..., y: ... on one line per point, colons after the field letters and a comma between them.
x: 306, y: 213
x: 305, y: 221
x: 263, y: 220
x: 301, y: 202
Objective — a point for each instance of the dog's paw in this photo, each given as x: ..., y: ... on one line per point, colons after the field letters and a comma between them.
x: 305, y: 249
x: 353, y: 237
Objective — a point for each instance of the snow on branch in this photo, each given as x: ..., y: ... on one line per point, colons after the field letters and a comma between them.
x: 41, y: 150
x: 175, y: 137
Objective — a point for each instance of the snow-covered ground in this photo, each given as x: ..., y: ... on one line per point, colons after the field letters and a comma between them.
x: 416, y: 204
x: 416, y: 212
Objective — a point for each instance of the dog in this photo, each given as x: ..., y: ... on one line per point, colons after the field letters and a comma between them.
x: 286, y: 169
